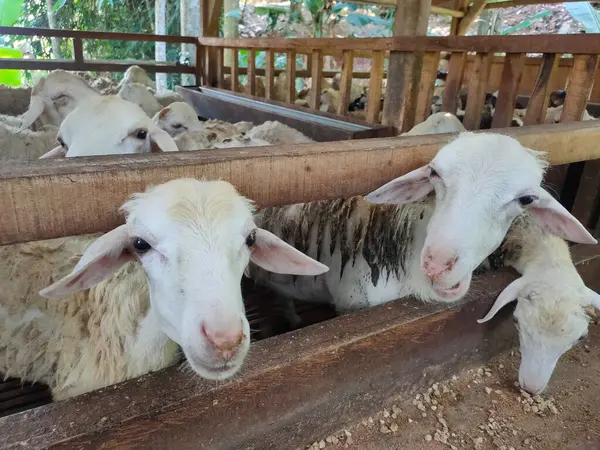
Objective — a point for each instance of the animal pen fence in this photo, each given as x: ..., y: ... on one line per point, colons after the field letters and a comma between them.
x: 298, y: 386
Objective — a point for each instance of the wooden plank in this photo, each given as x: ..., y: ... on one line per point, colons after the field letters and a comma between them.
x: 459, y: 5
x: 300, y: 380
x: 270, y: 74
x: 251, y: 72
x: 472, y: 13
x: 290, y: 71
x: 477, y: 91
x: 511, y: 76
x: 220, y: 66
x: 582, y: 182
x: 517, y: 3
x: 235, y: 79
x: 94, y: 66
x: 576, y: 43
x: 538, y: 104
x: 99, y: 35
x: 375, y: 87
x: 206, y: 76
x: 346, y: 83
x: 307, y: 73
x: 64, y: 192
x: 456, y: 68
x: 199, y: 69
x: 78, y: 50
x: 431, y: 63
x: 316, y: 76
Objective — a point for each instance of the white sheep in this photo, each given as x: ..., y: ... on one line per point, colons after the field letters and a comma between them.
x: 552, y: 300
x: 241, y: 141
x: 141, y: 96
x: 441, y: 122
x: 206, y: 139
x: 166, y: 97
x: 135, y: 74
x: 277, y: 133
x: 54, y: 97
x: 109, y: 126
x: 168, y: 278
x: 553, y: 114
x: 178, y: 118
x: 14, y: 100
x: 25, y: 145
x: 416, y: 244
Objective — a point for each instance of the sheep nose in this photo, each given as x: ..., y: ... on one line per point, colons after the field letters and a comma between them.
x: 226, y: 339
x: 439, y: 263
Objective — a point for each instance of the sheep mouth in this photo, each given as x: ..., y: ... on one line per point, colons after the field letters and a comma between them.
x: 219, y: 371
x: 454, y: 292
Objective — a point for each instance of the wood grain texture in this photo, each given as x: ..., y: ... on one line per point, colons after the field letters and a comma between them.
x: 456, y: 68
x: 290, y: 71
x: 511, y: 76
x: 346, y: 83
x: 78, y: 50
x: 270, y: 75
x: 235, y: 64
x: 251, y: 72
x: 299, y: 379
x: 199, y: 69
x: 538, y: 103
x: 477, y: 91
x: 581, y: 84
x: 473, y: 11
x: 47, y: 199
x: 375, y: 87
x: 431, y: 62
x: 316, y: 75
x: 220, y: 65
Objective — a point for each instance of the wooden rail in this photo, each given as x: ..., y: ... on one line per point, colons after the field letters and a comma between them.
x: 83, y: 195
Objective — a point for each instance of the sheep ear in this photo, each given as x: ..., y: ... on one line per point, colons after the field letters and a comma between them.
x: 105, y: 255
x: 549, y: 214
x: 593, y: 297
x: 35, y: 110
x: 408, y: 188
x: 274, y: 255
x: 56, y: 152
x: 509, y: 294
x: 160, y: 141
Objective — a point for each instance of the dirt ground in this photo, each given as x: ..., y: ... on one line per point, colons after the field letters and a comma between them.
x: 482, y: 409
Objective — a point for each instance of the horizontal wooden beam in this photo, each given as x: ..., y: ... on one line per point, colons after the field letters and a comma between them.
x: 62, y: 197
x: 514, y: 3
x: 294, y: 388
x: 434, y: 9
x: 94, y: 65
x: 99, y: 35
x: 579, y: 43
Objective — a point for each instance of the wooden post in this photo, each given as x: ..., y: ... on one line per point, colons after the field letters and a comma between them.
x: 220, y: 67
x: 538, y: 103
x: 477, y: 88
x: 78, y: 50
x: 251, y: 73
x: 235, y: 79
x: 507, y: 94
x: 316, y: 73
x: 374, y: 99
x: 346, y: 83
x: 269, y: 74
x: 210, y: 16
x: 290, y: 70
x: 472, y: 12
x: 404, y: 68
x: 459, y: 5
x: 456, y: 71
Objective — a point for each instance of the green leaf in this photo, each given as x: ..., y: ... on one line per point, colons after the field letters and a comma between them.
x: 234, y: 14
x: 10, y: 77
x: 59, y: 4
x: 10, y: 11
x: 270, y: 9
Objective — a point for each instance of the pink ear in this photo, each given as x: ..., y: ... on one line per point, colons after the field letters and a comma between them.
x: 105, y: 255
x: 408, y: 188
x: 553, y: 217
x: 274, y: 255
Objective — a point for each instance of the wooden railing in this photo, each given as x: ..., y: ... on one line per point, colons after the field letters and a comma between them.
x: 79, y: 63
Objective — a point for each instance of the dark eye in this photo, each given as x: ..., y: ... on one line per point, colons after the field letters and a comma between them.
x: 61, y: 142
x: 526, y: 200
x: 141, y: 134
x: 141, y: 245
x: 177, y: 126
x: 251, y: 239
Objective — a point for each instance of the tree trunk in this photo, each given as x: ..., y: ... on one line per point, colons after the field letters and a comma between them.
x: 190, y: 26
x: 160, y: 49
x: 230, y: 26
x: 52, y: 24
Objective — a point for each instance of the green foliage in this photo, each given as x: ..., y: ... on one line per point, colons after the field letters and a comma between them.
x: 10, y: 11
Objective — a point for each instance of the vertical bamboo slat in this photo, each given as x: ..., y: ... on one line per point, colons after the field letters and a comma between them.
x: 346, y: 82
x: 270, y: 74
x: 431, y: 62
x: 316, y: 74
x: 235, y: 70
x: 290, y: 71
x: 456, y: 69
x: 375, y: 84
x: 251, y: 71
x: 507, y: 95
x: 538, y: 103
x: 477, y: 88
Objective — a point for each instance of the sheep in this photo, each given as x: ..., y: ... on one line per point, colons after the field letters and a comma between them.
x: 14, y: 100
x: 141, y: 96
x: 557, y: 98
x: 168, y: 279
x: 177, y: 118
x: 415, y: 244
x: 109, y: 126
x: 135, y: 74
x: 201, y: 140
x: 277, y: 133
x: 166, y: 97
x: 26, y: 145
x: 104, y: 85
x: 54, y: 97
x: 551, y: 300
x: 241, y: 141
x: 440, y: 122
x: 554, y: 114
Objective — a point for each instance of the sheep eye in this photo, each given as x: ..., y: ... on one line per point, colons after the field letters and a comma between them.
x: 433, y: 173
x: 526, y: 200
x: 177, y: 126
x: 141, y: 245
x: 141, y: 134
x: 251, y: 239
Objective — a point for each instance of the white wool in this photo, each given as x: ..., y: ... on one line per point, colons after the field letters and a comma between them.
x: 14, y: 100
x: 135, y: 74
x: 25, y: 145
x: 277, y: 133
x: 141, y: 96
x: 166, y: 97
x: 177, y: 118
x: 441, y: 122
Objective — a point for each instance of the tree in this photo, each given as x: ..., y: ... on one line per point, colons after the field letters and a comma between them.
x: 52, y: 24
x: 190, y: 26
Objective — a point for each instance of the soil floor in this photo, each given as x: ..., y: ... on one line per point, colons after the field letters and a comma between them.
x: 483, y: 409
